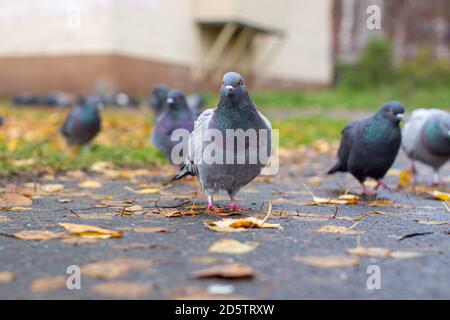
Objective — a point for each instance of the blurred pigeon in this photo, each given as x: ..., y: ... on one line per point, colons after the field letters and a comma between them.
x: 82, y: 124
x: 25, y: 99
x: 369, y: 146
x: 158, y: 97
x: 426, y: 138
x: 195, y: 102
x: 2, y: 120
x: 175, y: 115
x: 235, y: 111
x: 56, y: 99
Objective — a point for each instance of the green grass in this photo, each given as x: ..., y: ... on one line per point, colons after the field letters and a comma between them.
x: 341, y: 98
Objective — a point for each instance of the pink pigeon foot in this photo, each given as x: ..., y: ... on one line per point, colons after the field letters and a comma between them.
x: 235, y: 207
x: 366, y: 192
x: 212, y: 207
x: 382, y: 185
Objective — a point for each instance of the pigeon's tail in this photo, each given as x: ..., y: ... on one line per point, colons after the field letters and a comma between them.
x: 338, y: 167
x: 184, y: 172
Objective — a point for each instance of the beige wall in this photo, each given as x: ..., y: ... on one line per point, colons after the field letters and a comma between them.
x: 166, y: 31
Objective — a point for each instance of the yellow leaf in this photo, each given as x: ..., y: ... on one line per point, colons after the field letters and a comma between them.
x: 231, y: 246
x: 328, y: 261
x: 87, y: 231
x: 437, y: 223
x: 49, y: 284
x: 52, y: 188
x: 144, y: 191
x: 381, y: 203
x: 441, y: 195
x: 345, y: 199
x: 405, y: 178
x: 15, y: 209
x: 90, y: 184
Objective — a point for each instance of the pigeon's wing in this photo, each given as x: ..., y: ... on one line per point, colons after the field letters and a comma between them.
x: 195, y: 146
x: 266, y: 121
x: 66, y: 128
x: 346, y: 144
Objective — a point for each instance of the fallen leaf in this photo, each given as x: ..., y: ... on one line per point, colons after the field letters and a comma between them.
x: 440, y: 195
x: 376, y: 252
x: 151, y: 230
x: 14, y: 200
x: 4, y: 219
x: 381, y: 203
x: 438, y: 223
x: 113, y: 269
x: 328, y: 261
x: 338, y: 229
x: 231, y: 246
x: 16, y: 209
x: 49, y: 284
x: 405, y: 254
x: 90, y: 184
x: 52, y: 188
x: 405, y: 178
x: 345, y: 199
x: 87, y: 231
x: 36, y: 235
x: 64, y: 200
x: 124, y: 290
x: 6, y: 276
x: 228, y: 271
x: 144, y: 191
x: 173, y: 214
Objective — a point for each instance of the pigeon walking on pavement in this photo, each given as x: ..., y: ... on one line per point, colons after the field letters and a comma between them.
x: 175, y: 115
x: 426, y: 138
x: 82, y: 124
x: 235, y: 111
x: 369, y: 146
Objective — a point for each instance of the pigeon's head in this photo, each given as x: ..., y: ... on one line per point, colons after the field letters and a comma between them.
x: 233, y: 86
x: 159, y: 94
x: 394, y: 111
x: 176, y: 100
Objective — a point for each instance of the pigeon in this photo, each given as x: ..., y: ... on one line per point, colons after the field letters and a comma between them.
x: 175, y: 115
x: 369, y: 146
x: 235, y: 110
x: 158, y: 97
x: 426, y: 138
x: 82, y: 124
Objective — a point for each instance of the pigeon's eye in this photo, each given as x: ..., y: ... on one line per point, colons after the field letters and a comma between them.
x: 239, y: 83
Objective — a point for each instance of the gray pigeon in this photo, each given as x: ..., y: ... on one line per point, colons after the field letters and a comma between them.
x: 369, y: 146
x: 158, y: 97
x: 196, y: 102
x: 426, y: 138
x: 82, y: 124
x: 175, y: 115
x: 235, y: 111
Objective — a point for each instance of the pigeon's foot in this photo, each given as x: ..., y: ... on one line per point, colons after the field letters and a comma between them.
x: 382, y: 185
x: 212, y: 207
x: 235, y: 207
x: 413, y: 171
x: 367, y: 193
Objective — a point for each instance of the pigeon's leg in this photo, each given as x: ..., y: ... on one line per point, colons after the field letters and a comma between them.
x: 382, y: 185
x: 366, y: 192
x: 211, y: 205
x: 235, y: 207
x: 436, y: 180
x: 413, y: 170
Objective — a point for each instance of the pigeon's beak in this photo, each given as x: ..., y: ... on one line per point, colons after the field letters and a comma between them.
x: 400, y: 116
x: 229, y: 90
x: 170, y: 101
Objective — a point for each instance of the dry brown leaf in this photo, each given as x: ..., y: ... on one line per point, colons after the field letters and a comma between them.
x: 36, y: 235
x: 328, y: 261
x: 6, y: 276
x: 123, y: 290
x: 49, y: 284
x: 113, y: 269
x: 381, y: 203
x: 15, y: 200
x: 87, y: 231
x: 151, y: 230
x: 52, y: 188
x: 228, y: 271
x: 376, y: 252
x: 338, y: 229
x: 90, y: 184
x: 231, y: 246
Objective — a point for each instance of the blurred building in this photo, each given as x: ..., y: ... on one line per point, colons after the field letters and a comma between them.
x: 79, y: 45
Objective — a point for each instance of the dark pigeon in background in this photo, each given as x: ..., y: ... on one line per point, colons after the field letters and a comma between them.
x: 369, y: 147
x: 426, y: 138
x: 82, y: 124
x: 56, y: 99
x: 176, y: 114
x: 235, y: 111
x: 25, y: 99
x: 158, y: 97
